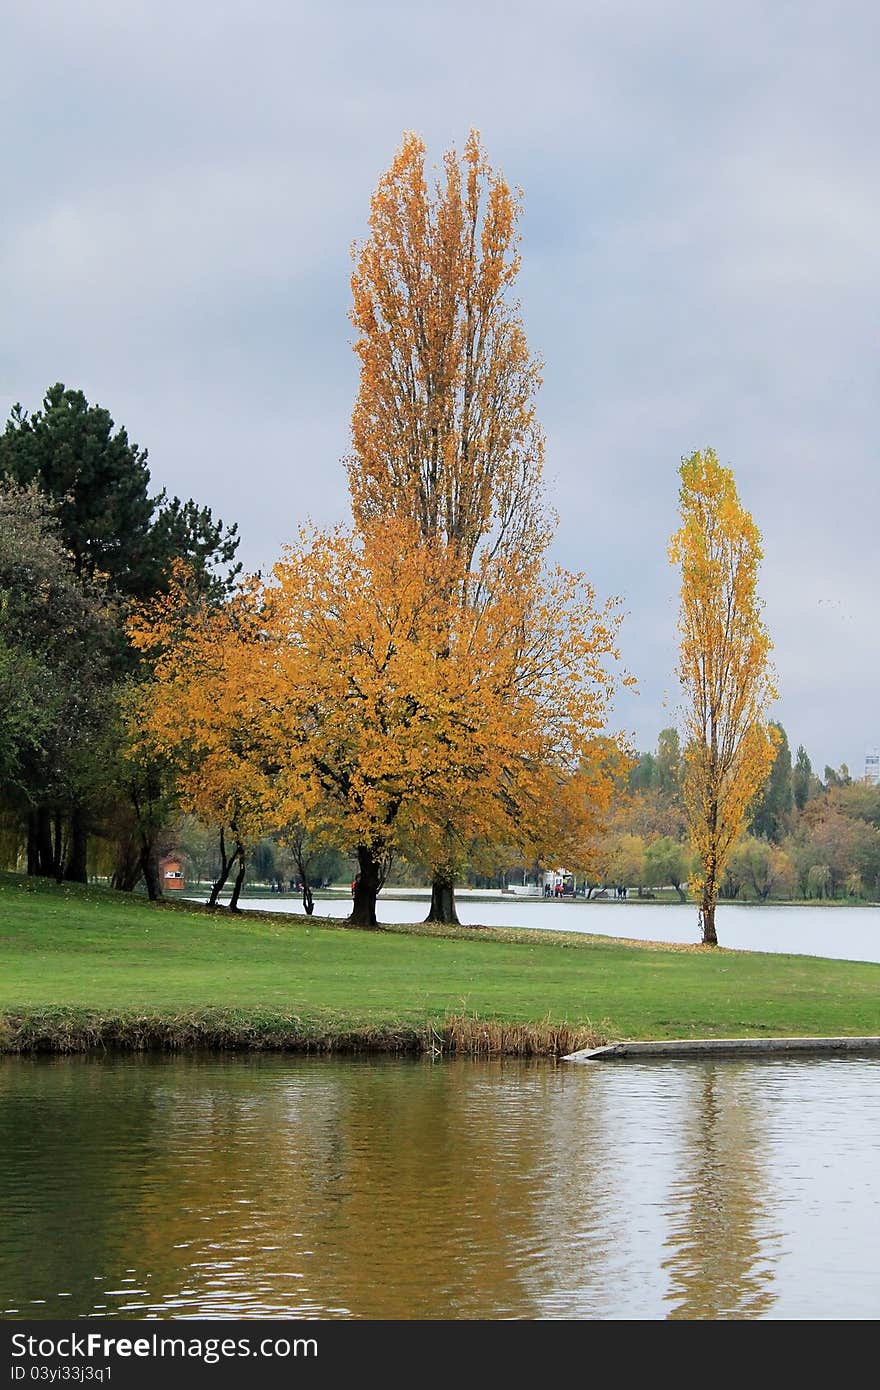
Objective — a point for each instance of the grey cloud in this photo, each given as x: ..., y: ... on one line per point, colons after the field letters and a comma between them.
x: 700, y: 266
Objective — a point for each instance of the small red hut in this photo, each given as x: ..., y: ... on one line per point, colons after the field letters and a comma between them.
x: 171, y: 873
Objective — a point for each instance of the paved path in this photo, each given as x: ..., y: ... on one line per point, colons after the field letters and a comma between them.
x: 723, y: 1047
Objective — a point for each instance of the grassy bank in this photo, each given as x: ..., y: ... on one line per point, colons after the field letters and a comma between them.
x: 83, y: 968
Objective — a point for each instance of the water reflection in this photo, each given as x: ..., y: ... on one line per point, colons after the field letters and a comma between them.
x: 721, y: 1254
x: 372, y: 1188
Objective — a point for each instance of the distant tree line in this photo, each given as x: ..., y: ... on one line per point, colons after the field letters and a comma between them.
x: 808, y: 837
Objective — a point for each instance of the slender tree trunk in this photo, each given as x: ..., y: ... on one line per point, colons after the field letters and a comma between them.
x: 75, y: 870
x: 301, y: 860
x: 33, y: 853
x: 710, y: 877
x: 366, y: 889
x: 443, y: 902
x: 149, y: 859
x: 151, y: 878
x: 150, y: 868
x: 45, y: 848
x: 707, y: 911
x: 226, y: 863
x: 58, y: 845
x: 127, y: 871
x: 682, y: 895
x: 239, y: 877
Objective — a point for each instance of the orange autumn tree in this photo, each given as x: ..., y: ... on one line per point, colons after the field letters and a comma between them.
x: 201, y: 712
x: 538, y: 653
x: 398, y: 712
x: 368, y: 729
x: 724, y: 669
x: 444, y: 430
x: 354, y: 695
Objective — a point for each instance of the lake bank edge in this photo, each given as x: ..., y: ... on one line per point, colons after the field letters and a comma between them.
x: 568, y: 991
x: 67, y: 1031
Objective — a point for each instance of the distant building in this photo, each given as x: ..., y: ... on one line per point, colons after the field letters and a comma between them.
x: 872, y: 768
x: 171, y: 871
x: 557, y: 883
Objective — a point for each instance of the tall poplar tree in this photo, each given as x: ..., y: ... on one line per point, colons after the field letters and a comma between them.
x: 724, y: 669
x: 444, y: 430
x: 802, y: 778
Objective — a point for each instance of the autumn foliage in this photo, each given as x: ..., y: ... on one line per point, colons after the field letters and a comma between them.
x: 724, y: 669
x: 200, y: 711
x: 444, y: 430
x: 354, y: 694
x: 422, y: 685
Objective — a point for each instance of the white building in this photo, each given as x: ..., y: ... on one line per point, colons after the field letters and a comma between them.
x: 872, y: 768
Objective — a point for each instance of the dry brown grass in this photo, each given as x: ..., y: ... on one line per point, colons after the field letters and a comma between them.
x: 62, y: 1030
x: 462, y: 1036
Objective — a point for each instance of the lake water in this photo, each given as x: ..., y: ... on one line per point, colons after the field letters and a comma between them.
x: 380, y: 1188
x: 841, y: 933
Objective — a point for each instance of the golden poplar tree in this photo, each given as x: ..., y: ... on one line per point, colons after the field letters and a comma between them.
x: 724, y: 669
x: 444, y: 430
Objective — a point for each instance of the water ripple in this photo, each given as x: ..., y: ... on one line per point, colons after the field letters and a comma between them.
x: 279, y: 1187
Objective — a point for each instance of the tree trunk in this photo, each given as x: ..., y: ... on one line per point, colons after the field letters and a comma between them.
x: 45, y: 848
x: 33, y: 853
x: 443, y: 902
x: 301, y: 860
x: 710, y: 864
x: 239, y: 877
x: 58, y: 846
x: 150, y: 869
x: 75, y: 871
x: 707, y: 919
x: 225, y: 870
x: 149, y: 858
x: 366, y: 889
x: 682, y: 895
x: 127, y: 871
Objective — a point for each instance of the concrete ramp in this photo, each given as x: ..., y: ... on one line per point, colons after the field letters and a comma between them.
x: 724, y: 1047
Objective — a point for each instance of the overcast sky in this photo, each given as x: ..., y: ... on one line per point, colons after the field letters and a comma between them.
x: 182, y: 183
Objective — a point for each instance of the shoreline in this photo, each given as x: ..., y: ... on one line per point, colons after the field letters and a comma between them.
x: 89, y: 971
x: 729, y: 1047
x: 62, y: 1031
x: 198, y: 897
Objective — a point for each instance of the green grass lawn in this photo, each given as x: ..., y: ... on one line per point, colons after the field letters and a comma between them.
x: 66, y: 949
